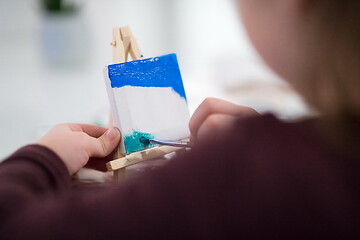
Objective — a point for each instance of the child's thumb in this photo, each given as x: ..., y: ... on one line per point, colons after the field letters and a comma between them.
x: 107, y: 142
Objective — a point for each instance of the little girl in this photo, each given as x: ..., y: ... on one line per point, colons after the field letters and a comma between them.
x: 248, y: 176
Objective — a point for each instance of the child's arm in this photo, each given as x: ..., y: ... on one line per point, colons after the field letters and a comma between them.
x: 41, y: 171
x: 215, y: 115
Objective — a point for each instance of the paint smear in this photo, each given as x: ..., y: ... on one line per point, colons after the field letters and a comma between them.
x: 133, y: 144
x: 160, y: 71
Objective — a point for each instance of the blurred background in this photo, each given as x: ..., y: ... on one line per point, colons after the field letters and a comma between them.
x: 52, y: 55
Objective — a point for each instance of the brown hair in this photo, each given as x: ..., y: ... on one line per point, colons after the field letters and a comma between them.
x: 331, y: 73
x: 330, y: 76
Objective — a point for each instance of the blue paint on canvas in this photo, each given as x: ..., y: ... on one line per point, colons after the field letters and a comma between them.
x: 160, y: 71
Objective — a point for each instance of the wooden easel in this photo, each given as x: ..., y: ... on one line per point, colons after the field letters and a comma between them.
x: 124, y: 43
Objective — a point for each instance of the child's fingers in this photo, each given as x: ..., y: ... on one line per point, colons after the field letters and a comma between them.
x: 105, y: 144
x: 215, y: 124
x: 208, y: 107
x: 91, y: 130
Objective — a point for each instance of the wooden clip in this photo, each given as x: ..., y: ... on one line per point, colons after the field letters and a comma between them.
x: 137, y: 157
x: 124, y: 43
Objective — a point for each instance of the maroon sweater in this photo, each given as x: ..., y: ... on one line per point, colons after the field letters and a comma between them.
x: 263, y: 179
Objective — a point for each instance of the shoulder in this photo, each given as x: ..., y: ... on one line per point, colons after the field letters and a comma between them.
x: 266, y: 171
x: 268, y: 124
x: 261, y: 132
x: 270, y: 132
x: 250, y: 140
x: 264, y: 145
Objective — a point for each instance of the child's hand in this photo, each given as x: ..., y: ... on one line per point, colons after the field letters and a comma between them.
x: 215, y: 115
x: 76, y: 143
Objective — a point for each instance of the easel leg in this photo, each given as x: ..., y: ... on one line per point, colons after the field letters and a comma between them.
x: 119, y: 175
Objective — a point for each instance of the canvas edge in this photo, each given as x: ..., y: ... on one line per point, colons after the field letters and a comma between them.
x: 112, y: 102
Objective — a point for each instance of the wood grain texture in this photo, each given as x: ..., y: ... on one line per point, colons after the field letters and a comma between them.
x: 138, y: 157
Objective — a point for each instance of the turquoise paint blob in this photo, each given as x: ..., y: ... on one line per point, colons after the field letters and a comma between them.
x: 133, y: 144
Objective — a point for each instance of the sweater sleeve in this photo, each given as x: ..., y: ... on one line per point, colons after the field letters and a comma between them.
x: 261, y: 180
x: 182, y: 200
x: 30, y: 174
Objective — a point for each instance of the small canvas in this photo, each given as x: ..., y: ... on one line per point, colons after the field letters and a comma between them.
x: 147, y: 99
